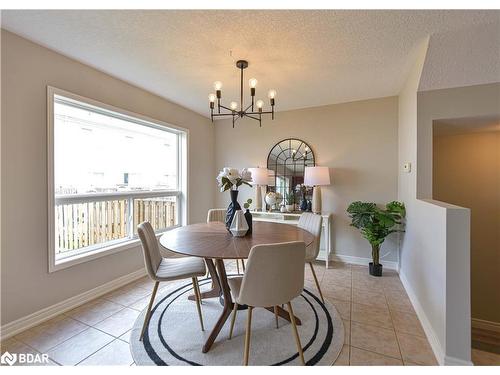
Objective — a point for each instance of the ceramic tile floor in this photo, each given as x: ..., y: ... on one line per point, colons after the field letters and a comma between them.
x: 380, y: 324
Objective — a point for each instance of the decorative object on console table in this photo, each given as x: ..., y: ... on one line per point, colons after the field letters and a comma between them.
x: 289, y: 202
x: 271, y: 199
x: 279, y: 199
x: 309, y: 206
x: 248, y: 215
x: 302, y: 189
x: 239, y: 226
x: 376, y: 224
x: 316, y: 177
x: 230, y: 178
x: 259, y: 180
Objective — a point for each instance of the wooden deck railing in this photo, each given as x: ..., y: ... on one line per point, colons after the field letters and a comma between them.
x: 93, y: 222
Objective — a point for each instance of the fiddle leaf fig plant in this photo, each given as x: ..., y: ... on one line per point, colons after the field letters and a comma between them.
x: 377, y: 223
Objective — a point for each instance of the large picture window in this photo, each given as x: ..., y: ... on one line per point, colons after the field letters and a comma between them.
x: 109, y: 170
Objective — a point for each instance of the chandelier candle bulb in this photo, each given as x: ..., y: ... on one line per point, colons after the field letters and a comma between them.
x: 259, y: 104
x: 253, y: 83
x: 211, y: 99
x: 233, y: 106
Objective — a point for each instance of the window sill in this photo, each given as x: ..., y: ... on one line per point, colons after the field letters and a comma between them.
x: 98, y: 253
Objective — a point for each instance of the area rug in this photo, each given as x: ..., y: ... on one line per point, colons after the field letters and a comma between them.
x: 174, y: 337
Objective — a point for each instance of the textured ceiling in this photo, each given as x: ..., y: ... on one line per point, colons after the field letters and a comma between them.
x: 310, y: 57
x: 467, y: 125
x: 470, y: 56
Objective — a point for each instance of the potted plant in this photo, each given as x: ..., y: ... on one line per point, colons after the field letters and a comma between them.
x: 376, y: 224
x: 231, y: 179
x: 290, y: 202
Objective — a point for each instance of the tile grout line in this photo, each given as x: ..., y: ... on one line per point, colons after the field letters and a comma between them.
x: 63, y: 341
x: 383, y: 355
x: 394, y: 328
x: 102, y: 347
x: 85, y: 324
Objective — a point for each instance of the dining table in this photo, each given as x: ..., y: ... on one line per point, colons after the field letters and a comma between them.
x: 213, y: 242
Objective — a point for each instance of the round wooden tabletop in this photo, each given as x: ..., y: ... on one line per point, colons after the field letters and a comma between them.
x: 212, y: 240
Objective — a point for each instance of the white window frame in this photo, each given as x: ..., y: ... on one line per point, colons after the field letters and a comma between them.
x: 110, y: 247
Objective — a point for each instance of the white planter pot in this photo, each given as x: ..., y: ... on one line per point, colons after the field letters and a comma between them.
x: 290, y: 207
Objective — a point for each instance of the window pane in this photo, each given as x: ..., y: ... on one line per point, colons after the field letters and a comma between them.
x: 97, y: 152
x: 161, y: 212
x: 81, y: 225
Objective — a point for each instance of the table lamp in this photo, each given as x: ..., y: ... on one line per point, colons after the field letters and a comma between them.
x: 316, y: 177
x: 259, y: 180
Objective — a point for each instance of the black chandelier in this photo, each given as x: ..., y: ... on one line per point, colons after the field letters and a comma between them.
x: 233, y: 110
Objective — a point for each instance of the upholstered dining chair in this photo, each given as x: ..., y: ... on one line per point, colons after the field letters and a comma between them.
x: 161, y: 269
x: 312, y: 223
x: 219, y: 214
x: 274, y: 276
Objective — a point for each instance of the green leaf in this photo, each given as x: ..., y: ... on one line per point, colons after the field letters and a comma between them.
x: 374, y: 223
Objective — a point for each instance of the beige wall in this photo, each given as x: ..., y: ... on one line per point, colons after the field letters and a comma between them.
x: 466, y: 172
x: 357, y: 140
x: 27, y: 69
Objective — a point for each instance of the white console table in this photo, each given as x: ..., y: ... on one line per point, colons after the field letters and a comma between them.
x: 325, y: 247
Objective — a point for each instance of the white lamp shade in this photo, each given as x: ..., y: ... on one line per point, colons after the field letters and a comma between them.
x: 316, y: 176
x: 259, y: 176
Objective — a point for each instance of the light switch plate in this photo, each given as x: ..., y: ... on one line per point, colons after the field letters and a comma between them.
x: 407, y: 167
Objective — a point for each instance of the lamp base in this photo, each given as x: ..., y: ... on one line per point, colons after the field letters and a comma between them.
x: 258, y: 198
x: 316, y: 200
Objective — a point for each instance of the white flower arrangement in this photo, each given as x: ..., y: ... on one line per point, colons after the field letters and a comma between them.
x: 301, y: 188
x: 231, y: 178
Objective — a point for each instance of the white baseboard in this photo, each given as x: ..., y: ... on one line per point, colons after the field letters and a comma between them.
x: 485, y: 324
x: 452, y: 361
x: 22, y: 324
x: 426, y: 325
x: 363, y: 261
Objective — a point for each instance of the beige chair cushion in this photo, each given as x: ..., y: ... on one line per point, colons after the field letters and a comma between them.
x: 216, y: 214
x: 235, y: 286
x: 312, y: 223
x: 165, y: 269
x: 151, y: 251
x: 180, y: 268
x: 274, y: 275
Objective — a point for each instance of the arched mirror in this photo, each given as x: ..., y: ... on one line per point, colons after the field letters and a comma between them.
x: 286, y: 162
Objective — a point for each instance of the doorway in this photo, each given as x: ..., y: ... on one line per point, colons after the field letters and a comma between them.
x: 466, y: 172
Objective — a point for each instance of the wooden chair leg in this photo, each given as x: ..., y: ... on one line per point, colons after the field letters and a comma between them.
x: 237, y: 266
x: 148, y: 313
x: 296, y: 334
x: 233, y: 319
x: 317, y: 283
x: 276, y: 316
x: 197, y: 293
x: 247, y: 336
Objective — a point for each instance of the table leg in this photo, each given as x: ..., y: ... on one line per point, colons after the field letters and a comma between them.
x: 215, y: 291
x: 228, y: 306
